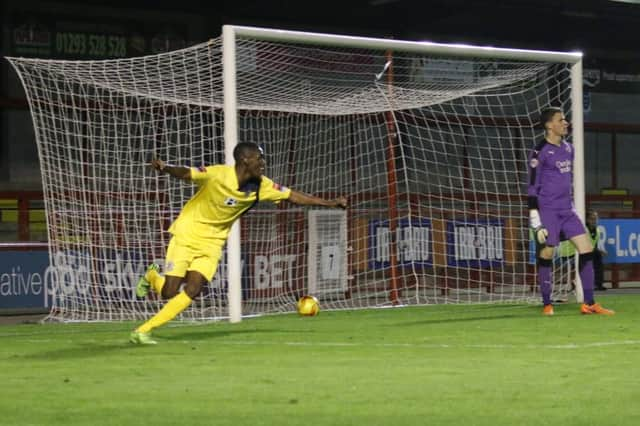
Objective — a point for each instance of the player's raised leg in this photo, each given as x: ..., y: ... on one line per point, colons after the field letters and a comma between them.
x: 150, y: 280
x: 177, y: 259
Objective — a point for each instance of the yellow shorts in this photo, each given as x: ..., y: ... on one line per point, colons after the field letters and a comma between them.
x: 183, y: 257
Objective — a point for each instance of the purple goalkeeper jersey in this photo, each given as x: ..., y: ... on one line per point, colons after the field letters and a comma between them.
x: 551, y: 176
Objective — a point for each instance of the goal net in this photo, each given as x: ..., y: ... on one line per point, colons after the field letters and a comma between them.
x: 428, y: 142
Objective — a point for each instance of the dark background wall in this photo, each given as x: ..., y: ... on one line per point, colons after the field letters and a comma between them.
x: 605, y: 31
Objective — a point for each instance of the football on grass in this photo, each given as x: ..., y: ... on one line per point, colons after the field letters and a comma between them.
x: 308, y: 306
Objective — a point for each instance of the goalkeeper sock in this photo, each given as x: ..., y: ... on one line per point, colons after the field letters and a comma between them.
x: 168, y: 312
x: 155, y: 279
x: 585, y: 263
x: 544, y: 280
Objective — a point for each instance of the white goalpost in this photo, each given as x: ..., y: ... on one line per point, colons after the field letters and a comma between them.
x: 427, y: 141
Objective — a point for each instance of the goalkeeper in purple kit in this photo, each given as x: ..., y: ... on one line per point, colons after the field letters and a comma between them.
x: 552, y: 214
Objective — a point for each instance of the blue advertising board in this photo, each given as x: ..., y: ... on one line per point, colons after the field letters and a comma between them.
x: 413, y: 243
x: 29, y: 280
x: 475, y: 243
x: 621, y: 238
x: 23, y: 279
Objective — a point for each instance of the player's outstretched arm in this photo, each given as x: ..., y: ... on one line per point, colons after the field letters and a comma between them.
x: 179, y: 172
x: 303, y: 199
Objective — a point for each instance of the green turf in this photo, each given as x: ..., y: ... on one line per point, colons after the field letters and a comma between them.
x: 438, y: 365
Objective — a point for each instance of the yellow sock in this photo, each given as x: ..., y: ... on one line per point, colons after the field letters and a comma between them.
x: 155, y: 279
x: 168, y: 312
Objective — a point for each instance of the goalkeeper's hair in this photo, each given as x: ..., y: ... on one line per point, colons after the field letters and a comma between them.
x: 243, y: 149
x: 547, y: 113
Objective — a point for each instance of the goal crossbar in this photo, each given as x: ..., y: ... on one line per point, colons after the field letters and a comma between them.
x: 450, y: 49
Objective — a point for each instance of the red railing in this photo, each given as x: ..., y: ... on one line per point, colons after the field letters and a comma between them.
x: 15, y: 208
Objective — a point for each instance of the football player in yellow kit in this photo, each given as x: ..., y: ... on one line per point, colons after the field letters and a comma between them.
x: 201, y: 229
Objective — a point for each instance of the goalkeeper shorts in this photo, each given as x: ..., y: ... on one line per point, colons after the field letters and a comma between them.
x: 561, y: 225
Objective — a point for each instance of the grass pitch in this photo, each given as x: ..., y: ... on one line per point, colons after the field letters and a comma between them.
x: 436, y: 365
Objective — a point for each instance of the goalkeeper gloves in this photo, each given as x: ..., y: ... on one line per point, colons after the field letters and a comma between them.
x: 539, y: 230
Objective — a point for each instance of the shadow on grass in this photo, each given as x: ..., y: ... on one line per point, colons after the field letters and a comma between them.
x: 83, y: 349
x: 450, y: 320
x: 206, y: 333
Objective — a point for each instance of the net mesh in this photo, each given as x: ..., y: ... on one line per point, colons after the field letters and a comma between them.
x: 431, y: 152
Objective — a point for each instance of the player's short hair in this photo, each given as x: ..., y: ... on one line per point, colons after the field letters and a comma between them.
x: 548, y: 113
x: 244, y: 149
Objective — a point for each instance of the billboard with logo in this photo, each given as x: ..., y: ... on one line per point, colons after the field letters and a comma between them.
x: 413, y: 243
x: 475, y: 243
x: 621, y: 240
x: 23, y: 279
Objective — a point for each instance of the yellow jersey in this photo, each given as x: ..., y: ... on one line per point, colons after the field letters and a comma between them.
x: 209, y: 214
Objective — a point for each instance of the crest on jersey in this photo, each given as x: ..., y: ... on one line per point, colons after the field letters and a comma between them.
x: 202, y: 169
x: 533, y: 163
x: 567, y: 148
x: 230, y: 201
x: 169, y: 267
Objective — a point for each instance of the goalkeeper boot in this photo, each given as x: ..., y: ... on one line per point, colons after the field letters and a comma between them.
x: 596, y: 308
x: 143, y: 286
x: 547, y: 310
x: 140, y: 338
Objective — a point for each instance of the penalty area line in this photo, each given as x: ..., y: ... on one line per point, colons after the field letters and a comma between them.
x: 248, y: 343
x: 435, y: 345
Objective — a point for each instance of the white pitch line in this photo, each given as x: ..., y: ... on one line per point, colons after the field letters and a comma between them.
x: 567, y: 346
x: 437, y: 345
